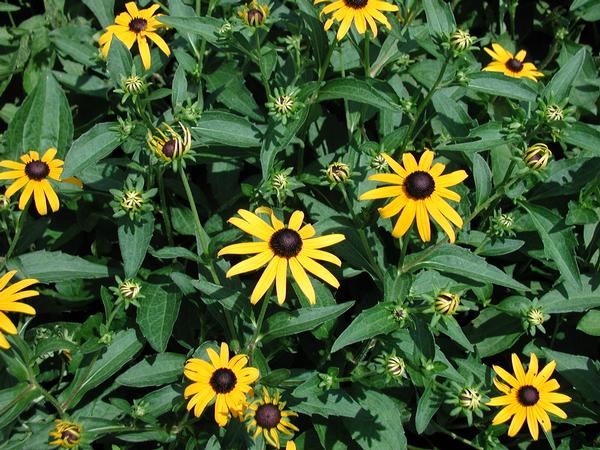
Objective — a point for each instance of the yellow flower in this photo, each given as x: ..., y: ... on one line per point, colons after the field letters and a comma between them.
x: 291, y: 445
x: 362, y: 12
x: 537, y: 156
x: 419, y: 191
x: 512, y: 66
x: 136, y: 25
x: 66, y: 434
x: 254, y: 13
x: 170, y: 145
x: 33, y: 175
x: 268, y: 416
x: 227, y: 379
x: 447, y: 303
x: 527, y: 396
x: 280, y: 247
x: 9, y: 302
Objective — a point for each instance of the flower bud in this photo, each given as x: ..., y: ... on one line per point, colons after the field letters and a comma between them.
x: 279, y: 181
x: 66, y: 434
x: 129, y: 289
x: 396, y: 366
x: 379, y: 163
x: 535, y: 316
x: 134, y: 85
x: 470, y: 398
x: 169, y: 144
x: 537, y: 156
x: 447, y: 303
x: 338, y: 172
x: 4, y: 202
x: 461, y: 40
x: 254, y: 14
x: 554, y: 113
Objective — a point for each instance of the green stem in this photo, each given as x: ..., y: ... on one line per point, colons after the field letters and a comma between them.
x: 259, y: 322
x: 113, y: 314
x: 163, y: 207
x: 423, y: 105
x: 366, y: 56
x: 403, y: 251
x: 456, y: 436
x: 198, y: 2
x: 47, y: 395
x: 18, y: 230
x: 265, y: 82
x: 325, y: 65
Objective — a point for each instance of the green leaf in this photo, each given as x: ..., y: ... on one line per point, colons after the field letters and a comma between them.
x: 590, y: 323
x: 174, y: 252
x: 440, y: 19
x: 378, y: 424
x: 301, y: 320
x: 15, y: 400
x: 560, y: 85
x: 216, y: 127
x: 427, y: 406
x: 558, y: 240
x: 43, y: 121
x: 157, y: 314
x: 422, y: 339
x: 494, y: 331
x: 482, y: 176
x: 179, y: 88
x: 580, y: 371
x: 503, y: 86
x: 369, y: 323
x: 356, y: 90
x: 51, y: 267
x: 450, y: 112
x: 103, y: 10
x: 124, y: 346
x: 162, y: 400
x: 450, y: 327
x: 333, y: 402
x: 134, y: 240
x: 154, y: 370
x: 583, y: 136
x: 460, y: 261
x: 228, y: 85
x: 207, y: 27
x: 568, y: 298
x: 119, y: 61
x: 90, y: 148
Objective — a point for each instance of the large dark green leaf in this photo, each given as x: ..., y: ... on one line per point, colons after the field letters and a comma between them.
x: 154, y: 370
x: 134, y: 240
x: 569, y: 298
x: 503, y: 86
x: 216, y: 127
x: 560, y: 85
x: 356, y: 90
x: 157, y: 314
x: 51, y: 267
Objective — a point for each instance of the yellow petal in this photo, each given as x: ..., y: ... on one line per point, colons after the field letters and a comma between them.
x: 506, y: 376
x: 451, y: 179
x: 318, y: 270
x: 323, y: 241
x: 40, y: 199
x: 409, y: 161
x: 405, y: 219
x: 244, y: 248
x: 506, y: 413
x: 302, y: 279
x: 517, y: 421
x: 224, y: 354
x: 426, y: 160
x: 15, y: 186
x: 26, y: 195
x: 423, y: 224
x: 144, y: 51
x: 6, y: 324
x: 396, y: 167
x: 532, y: 423
x: 265, y: 281
x: 321, y: 255
x: 160, y: 42
x: 281, y: 279
x: 4, y: 279
x: 50, y: 195
x: 296, y: 220
x: 250, y: 264
x: 532, y: 370
x: 382, y: 192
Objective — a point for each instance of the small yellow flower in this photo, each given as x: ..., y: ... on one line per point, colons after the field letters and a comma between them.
x: 66, y: 434
x: 537, y: 156
x: 32, y: 175
x: 267, y: 416
x: 418, y: 190
x: 361, y: 12
x: 527, y: 396
x: 226, y: 379
x: 447, y: 303
x: 169, y: 144
x: 136, y: 25
x: 9, y: 302
x: 281, y: 247
x: 512, y: 66
x: 254, y: 13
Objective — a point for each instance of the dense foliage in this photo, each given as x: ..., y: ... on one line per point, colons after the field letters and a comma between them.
x: 331, y: 224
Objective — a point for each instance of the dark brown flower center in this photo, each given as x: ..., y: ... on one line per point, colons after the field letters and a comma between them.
x: 170, y: 148
x: 268, y: 416
x: 223, y: 381
x: 514, y: 65
x: 37, y: 170
x: 69, y: 436
x: 286, y: 243
x: 419, y: 185
x: 528, y: 395
x: 255, y: 16
x: 138, y: 25
x: 356, y: 4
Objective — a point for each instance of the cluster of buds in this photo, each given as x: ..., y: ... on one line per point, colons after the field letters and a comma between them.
x: 536, y: 157
x: 461, y: 41
x: 338, y: 172
x: 169, y: 144
x: 65, y: 434
x: 284, y: 103
x: 402, y: 62
x: 132, y: 200
x: 254, y: 14
x: 447, y: 303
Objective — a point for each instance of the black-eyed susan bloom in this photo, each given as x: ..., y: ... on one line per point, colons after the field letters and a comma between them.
x: 419, y: 191
x: 32, y: 176
x: 527, y: 397
x: 361, y: 12
x: 136, y: 25
x: 280, y: 248
x: 226, y: 379
x: 267, y: 416
x: 65, y: 434
x: 9, y: 302
x: 511, y: 65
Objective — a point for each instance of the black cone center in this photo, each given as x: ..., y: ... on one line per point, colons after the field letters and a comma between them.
x: 356, y: 4
x: 69, y: 437
x: 37, y: 170
x: 223, y: 381
x: 419, y: 185
x: 286, y: 243
x: 268, y: 416
x: 528, y: 396
x: 514, y: 65
x: 255, y: 16
x: 138, y: 25
x: 169, y: 148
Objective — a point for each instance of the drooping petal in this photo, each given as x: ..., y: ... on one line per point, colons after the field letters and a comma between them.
x: 253, y: 263
x: 265, y: 281
x: 318, y: 270
x: 302, y: 279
